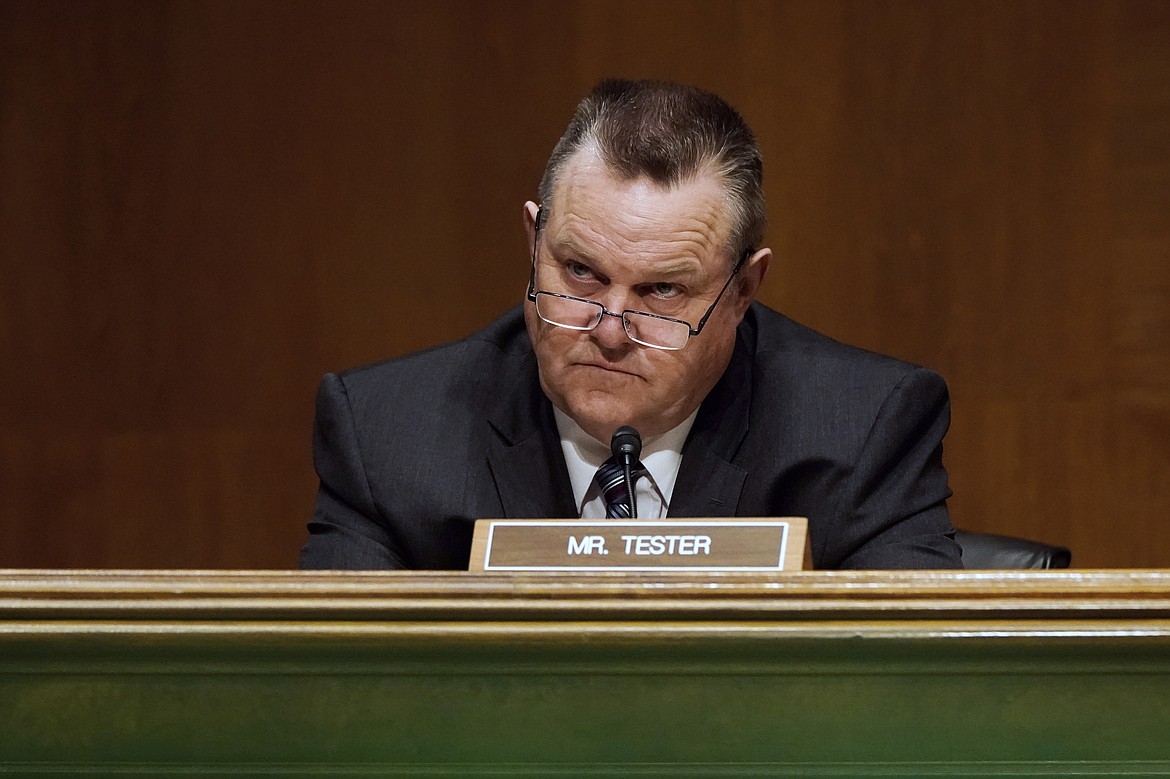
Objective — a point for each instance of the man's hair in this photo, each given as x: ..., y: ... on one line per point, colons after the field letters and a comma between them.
x: 669, y: 133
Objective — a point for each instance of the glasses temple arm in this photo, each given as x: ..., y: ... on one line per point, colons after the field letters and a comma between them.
x: 535, y: 241
x: 748, y: 252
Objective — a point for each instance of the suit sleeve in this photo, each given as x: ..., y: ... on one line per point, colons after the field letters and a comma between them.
x: 897, y: 499
x: 347, y: 531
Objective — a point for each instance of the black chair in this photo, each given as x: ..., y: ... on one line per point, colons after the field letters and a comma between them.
x: 987, y: 551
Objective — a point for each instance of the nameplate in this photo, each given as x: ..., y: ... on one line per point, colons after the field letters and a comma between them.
x: 733, y: 544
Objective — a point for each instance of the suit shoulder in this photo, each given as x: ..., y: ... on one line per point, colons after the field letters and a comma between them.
x: 785, y: 346
x: 502, y: 341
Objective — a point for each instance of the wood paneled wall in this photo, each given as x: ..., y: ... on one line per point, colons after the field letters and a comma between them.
x: 206, y: 205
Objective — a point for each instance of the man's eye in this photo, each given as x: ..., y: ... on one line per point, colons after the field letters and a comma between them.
x: 665, y: 289
x: 578, y: 270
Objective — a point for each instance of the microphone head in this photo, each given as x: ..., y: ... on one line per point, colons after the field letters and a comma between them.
x: 626, y: 442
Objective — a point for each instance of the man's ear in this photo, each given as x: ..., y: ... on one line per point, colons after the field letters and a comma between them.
x: 751, y: 276
x: 530, y: 212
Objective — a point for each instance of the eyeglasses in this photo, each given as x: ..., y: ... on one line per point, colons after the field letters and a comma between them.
x: 642, y: 327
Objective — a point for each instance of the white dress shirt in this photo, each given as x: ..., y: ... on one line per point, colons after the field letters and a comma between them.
x: 584, y: 454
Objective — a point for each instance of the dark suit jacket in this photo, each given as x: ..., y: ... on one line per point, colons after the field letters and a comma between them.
x: 410, y: 452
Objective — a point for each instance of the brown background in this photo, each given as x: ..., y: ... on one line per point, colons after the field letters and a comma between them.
x: 206, y: 205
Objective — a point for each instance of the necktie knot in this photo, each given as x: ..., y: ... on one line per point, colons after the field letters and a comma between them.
x: 612, y: 481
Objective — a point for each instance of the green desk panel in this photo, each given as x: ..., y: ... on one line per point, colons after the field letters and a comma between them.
x: 814, y: 674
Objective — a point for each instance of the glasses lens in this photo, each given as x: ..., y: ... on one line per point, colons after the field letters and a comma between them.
x: 573, y: 313
x: 657, y: 332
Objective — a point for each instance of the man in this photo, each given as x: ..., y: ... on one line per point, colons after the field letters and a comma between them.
x: 646, y: 258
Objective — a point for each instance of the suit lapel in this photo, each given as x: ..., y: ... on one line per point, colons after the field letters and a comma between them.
x: 709, y: 484
x: 525, y: 453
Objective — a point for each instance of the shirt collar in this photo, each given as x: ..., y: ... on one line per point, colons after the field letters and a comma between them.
x: 584, y: 454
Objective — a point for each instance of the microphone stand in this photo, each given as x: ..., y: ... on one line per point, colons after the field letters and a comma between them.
x: 626, y: 447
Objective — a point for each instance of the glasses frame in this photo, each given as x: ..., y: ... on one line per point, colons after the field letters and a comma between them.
x: 691, y: 330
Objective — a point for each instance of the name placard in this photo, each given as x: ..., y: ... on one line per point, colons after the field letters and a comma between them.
x: 733, y: 544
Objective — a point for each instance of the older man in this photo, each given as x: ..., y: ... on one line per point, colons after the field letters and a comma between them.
x: 646, y: 258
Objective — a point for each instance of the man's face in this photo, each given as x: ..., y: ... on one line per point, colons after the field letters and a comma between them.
x: 635, y: 245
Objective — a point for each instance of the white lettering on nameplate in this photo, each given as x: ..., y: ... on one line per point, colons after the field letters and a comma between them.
x: 667, y: 544
x: 587, y: 545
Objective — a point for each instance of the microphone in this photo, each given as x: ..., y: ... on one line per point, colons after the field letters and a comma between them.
x: 626, y: 447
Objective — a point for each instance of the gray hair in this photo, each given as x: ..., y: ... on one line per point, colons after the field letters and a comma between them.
x: 669, y: 132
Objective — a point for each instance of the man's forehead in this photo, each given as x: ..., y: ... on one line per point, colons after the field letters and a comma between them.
x: 670, y: 265
x: 590, y: 200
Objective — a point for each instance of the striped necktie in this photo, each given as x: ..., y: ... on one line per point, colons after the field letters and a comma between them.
x: 612, y: 482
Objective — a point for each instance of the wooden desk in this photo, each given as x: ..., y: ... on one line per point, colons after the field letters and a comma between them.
x: 825, y: 674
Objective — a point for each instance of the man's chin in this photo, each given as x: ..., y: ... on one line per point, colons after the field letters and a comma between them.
x: 599, y: 417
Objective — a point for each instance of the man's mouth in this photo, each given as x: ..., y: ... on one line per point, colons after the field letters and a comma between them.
x: 607, y: 367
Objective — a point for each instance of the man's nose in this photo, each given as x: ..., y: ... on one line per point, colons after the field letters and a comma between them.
x: 610, y: 331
